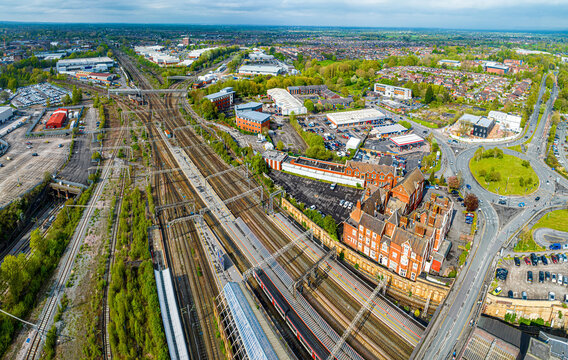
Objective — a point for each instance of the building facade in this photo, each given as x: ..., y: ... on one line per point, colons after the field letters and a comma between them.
x: 252, y: 121
x: 222, y: 99
x: 57, y: 119
x: 393, y: 91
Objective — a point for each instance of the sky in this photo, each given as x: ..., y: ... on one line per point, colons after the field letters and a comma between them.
x: 447, y: 14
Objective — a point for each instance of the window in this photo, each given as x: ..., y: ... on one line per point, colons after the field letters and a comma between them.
x: 403, y: 272
x: 373, y: 245
x: 404, y: 261
x: 374, y: 235
x: 412, y: 276
x: 415, y: 266
x: 368, y: 232
x: 394, y: 255
x: 361, y: 228
x: 413, y: 255
x: 360, y: 237
x: 384, y: 247
x: 354, y: 233
x: 406, y: 248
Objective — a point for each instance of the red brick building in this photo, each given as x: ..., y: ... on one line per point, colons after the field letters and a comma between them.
x: 222, y: 99
x: 252, y: 121
x: 402, y: 242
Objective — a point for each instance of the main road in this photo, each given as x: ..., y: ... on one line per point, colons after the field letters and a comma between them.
x: 462, y: 304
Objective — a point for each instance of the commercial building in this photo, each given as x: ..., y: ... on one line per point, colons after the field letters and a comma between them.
x: 274, y: 159
x: 495, y: 68
x: 6, y: 113
x: 285, y: 102
x: 194, y: 54
x: 86, y: 64
x: 271, y: 68
x: 406, y: 141
x: 222, y: 99
x: 454, y: 63
x: 252, y: 121
x: 355, y: 118
x: 481, y: 125
x: 101, y: 78
x: 393, y: 91
x: 250, y: 106
x: 394, y: 106
x: 507, y: 121
x: 57, y: 119
x: 353, y: 143
x: 388, y: 130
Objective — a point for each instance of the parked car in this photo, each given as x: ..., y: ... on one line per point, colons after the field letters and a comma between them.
x: 521, y: 204
x: 555, y: 246
x: 510, y: 294
x: 560, y: 278
x: 554, y: 278
x: 517, y: 261
x: 541, y: 276
x: 468, y: 186
x: 527, y: 260
x: 544, y: 260
x: 497, y: 290
x: 565, y: 280
x: 341, y: 202
x: 547, y: 276
x: 537, y: 198
x: 501, y: 274
x: 551, y: 296
x: 35, y: 154
x: 534, y: 259
x: 529, y: 277
x: 554, y: 258
x: 524, y: 295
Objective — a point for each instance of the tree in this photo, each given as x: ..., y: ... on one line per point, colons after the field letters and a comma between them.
x: 429, y: 97
x: 522, y: 182
x: 77, y: 95
x: 110, y: 54
x: 471, y: 202
x: 453, y: 182
x: 432, y: 178
x: 309, y: 104
x: 280, y: 145
x: 96, y: 156
x: 66, y: 100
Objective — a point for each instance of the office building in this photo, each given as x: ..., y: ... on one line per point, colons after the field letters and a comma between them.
x: 250, y: 106
x: 222, y: 99
x: 252, y: 121
x: 393, y: 91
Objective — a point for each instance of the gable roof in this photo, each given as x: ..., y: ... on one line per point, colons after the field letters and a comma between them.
x: 367, y: 168
x: 411, y: 181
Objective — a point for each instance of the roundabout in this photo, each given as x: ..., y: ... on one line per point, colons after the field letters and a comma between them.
x: 504, y: 175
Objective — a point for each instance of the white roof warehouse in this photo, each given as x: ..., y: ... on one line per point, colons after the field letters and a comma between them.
x: 356, y: 117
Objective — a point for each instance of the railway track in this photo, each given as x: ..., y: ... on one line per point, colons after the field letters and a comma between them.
x: 107, y: 351
x: 230, y: 185
x: 68, y: 261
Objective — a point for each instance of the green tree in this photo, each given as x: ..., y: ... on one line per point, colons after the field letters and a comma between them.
x: 66, y: 100
x: 76, y: 95
x: 96, y: 156
x: 429, y: 96
x: 309, y: 104
x: 280, y: 145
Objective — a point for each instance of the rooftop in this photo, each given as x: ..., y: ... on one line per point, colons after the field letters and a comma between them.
x: 407, y: 139
x: 247, y: 106
x: 254, y: 116
x: 275, y: 155
x: 86, y: 61
x: 347, y: 117
x: 388, y: 129
x: 283, y: 98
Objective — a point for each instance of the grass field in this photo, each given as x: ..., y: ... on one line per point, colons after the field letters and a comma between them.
x: 516, y: 148
x: 557, y: 220
x: 511, y: 171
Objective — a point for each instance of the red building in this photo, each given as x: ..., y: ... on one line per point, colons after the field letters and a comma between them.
x: 57, y: 119
x: 252, y: 121
x: 222, y: 99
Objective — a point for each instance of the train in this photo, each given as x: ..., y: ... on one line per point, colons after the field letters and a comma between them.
x: 301, y: 331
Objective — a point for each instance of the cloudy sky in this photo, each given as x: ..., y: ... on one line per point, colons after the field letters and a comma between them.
x: 456, y: 14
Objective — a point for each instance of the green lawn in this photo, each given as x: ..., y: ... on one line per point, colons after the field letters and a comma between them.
x: 557, y: 220
x: 510, y: 170
x: 516, y: 148
x: 425, y: 123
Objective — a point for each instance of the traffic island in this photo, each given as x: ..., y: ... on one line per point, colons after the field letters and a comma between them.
x: 503, y: 174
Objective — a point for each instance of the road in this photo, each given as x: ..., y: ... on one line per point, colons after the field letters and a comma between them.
x: 464, y: 300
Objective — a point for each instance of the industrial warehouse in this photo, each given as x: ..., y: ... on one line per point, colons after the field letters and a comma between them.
x: 98, y: 64
x: 353, y: 118
x: 285, y: 102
